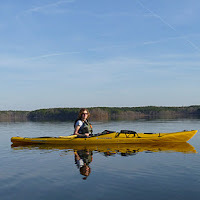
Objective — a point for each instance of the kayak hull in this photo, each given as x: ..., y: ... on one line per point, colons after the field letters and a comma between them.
x: 110, y: 138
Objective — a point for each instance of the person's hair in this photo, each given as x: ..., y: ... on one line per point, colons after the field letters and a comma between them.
x: 83, y: 171
x: 81, y: 112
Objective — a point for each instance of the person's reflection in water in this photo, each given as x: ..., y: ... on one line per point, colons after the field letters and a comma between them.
x: 82, y: 159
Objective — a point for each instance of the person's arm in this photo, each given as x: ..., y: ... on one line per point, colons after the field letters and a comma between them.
x: 76, y: 130
x: 77, y: 157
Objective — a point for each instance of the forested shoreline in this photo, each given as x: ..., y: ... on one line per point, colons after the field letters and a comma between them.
x: 102, y: 113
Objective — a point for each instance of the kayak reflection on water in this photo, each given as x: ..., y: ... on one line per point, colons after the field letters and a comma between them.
x: 82, y: 159
x: 111, y: 149
x: 83, y: 154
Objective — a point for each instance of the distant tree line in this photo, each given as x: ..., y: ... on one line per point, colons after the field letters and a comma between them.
x: 102, y: 113
x: 13, y: 116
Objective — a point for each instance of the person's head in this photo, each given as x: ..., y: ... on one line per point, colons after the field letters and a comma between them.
x: 83, y: 114
x: 85, y: 171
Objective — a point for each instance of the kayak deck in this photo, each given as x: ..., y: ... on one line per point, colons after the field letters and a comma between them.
x: 109, y: 137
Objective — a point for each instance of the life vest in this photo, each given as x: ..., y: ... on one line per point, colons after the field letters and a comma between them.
x: 85, y: 128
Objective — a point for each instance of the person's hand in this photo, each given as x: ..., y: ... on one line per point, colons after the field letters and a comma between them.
x: 87, y: 134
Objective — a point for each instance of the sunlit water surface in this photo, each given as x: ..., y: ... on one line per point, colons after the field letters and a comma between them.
x: 51, y: 173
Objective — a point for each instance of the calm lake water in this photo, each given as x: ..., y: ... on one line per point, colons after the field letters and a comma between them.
x: 37, y: 172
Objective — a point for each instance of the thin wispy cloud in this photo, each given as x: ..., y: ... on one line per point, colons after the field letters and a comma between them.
x: 156, y: 15
x: 126, y: 45
x: 11, y: 62
x: 46, y: 6
x: 51, y: 55
x: 178, y: 56
x: 192, y: 44
x: 117, y: 14
x: 129, y: 63
x: 170, y: 38
x: 112, y: 14
x: 163, y: 40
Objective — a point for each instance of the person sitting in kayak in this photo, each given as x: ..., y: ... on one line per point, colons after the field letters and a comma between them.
x: 82, y: 127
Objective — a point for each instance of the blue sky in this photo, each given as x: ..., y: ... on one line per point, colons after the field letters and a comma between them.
x: 85, y: 53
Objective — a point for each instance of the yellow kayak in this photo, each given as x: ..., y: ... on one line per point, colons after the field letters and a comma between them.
x: 110, y: 137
